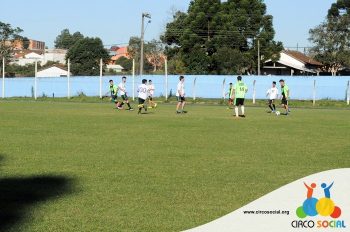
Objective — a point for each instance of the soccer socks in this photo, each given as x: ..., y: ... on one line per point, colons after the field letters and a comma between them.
x: 242, y: 109
x: 128, y: 105
x: 274, y: 107
x: 271, y: 107
x: 236, y: 111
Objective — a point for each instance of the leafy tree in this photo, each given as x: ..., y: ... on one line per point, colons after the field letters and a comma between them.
x: 25, y: 42
x: 154, y: 53
x: 8, y: 35
x: 125, y: 63
x: 211, y: 30
x: 66, y: 40
x: 332, y: 38
x: 85, y: 56
x: 134, y: 49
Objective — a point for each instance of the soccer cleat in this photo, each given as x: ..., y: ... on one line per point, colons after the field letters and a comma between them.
x: 119, y: 108
x: 150, y: 107
x: 178, y: 112
x: 130, y: 109
x: 242, y: 116
x: 184, y: 112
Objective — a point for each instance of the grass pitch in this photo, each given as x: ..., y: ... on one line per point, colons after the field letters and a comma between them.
x: 87, y: 167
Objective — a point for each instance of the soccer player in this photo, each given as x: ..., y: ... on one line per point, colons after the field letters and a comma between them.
x: 143, y: 94
x: 272, y: 93
x: 150, y: 94
x: 230, y: 101
x: 285, y: 95
x: 238, y: 95
x: 114, y: 92
x: 123, y: 94
x: 180, y: 95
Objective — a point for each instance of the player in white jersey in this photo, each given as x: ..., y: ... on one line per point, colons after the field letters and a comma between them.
x: 143, y: 94
x: 180, y: 95
x: 150, y: 95
x: 123, y: 94
x: 272, y: 93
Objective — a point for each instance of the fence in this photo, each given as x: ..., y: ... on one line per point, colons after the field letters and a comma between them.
x: 302, y: 88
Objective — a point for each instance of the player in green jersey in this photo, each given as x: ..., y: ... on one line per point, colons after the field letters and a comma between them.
x: 285, y: 95
x: 113, y: 91
x: 238, y: 95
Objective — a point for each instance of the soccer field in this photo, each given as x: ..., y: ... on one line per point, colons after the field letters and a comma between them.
x: 88, y: 167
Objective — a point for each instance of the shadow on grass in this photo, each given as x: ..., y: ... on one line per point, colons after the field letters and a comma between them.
x: 19, y: 194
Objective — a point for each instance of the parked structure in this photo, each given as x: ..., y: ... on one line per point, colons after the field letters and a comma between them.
x: 53, y: 71
x: 292, y: 63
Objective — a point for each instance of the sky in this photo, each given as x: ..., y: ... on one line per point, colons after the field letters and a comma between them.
x: 115, y: 21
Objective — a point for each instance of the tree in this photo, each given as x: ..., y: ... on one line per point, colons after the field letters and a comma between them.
x: 125, y: 63
x: 211, y: 30
x: 154, y: 52
x: 8, y: 35
x: 332, y: 38
x: 85, y: 56
x: 66, y: 40
x: 134, y: 49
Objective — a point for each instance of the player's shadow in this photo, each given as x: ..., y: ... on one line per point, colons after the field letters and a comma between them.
x: 19, y: 194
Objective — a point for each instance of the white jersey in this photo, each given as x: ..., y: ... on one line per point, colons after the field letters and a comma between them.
x: 151, y: 90
x: 143, y: 91
x: 180, y: 89
x: 273, y: 93
x: 122, y: 90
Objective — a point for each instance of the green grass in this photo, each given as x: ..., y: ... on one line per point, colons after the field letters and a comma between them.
x: 98, y: 169
x: 82, y: 98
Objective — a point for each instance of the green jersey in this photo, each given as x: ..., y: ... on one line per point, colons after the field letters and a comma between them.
x: 113, y: 89
x: 285, y: 91
x: 240, y: 89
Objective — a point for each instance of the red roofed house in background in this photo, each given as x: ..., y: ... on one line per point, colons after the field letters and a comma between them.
x: 118, y: 52
x: 292, y: 63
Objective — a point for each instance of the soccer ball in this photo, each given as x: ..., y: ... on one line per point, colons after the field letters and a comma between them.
x: 278, y: 113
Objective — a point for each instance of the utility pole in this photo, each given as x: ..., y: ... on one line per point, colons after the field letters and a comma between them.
x: 144, y: 15
x: 258, y: 57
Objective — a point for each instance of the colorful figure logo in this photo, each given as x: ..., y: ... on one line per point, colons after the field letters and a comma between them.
x: 313, y: 206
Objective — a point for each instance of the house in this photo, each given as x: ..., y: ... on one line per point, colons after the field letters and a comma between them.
x: 115, y: 67
x: 292, y: 63
x: 53, y: 71
x: 117, y: 52
x: 24, y: 57
x: 33, y: 45
x: 54, y: 55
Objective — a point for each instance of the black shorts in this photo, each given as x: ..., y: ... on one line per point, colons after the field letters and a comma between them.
x: 114, y: 98
x: 150, y: 98
x: 284, y: 101
x: 124, y: 97
x: 271, y: 101
x: 141, y: 101
x: 239, y: 101
x: 180, y: 99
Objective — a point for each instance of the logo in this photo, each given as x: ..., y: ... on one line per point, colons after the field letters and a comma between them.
x: 313, y: 207
x: 324, y: 206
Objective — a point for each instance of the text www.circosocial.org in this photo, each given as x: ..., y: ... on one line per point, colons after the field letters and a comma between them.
x: 267, y: 212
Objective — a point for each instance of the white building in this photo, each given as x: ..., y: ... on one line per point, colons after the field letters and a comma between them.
x: 292, y: 63
x: 53, y: 72
x: 115, y: 67
x: 54, y: 55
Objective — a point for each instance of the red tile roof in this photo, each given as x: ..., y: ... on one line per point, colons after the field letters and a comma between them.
x: 303, y: 58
